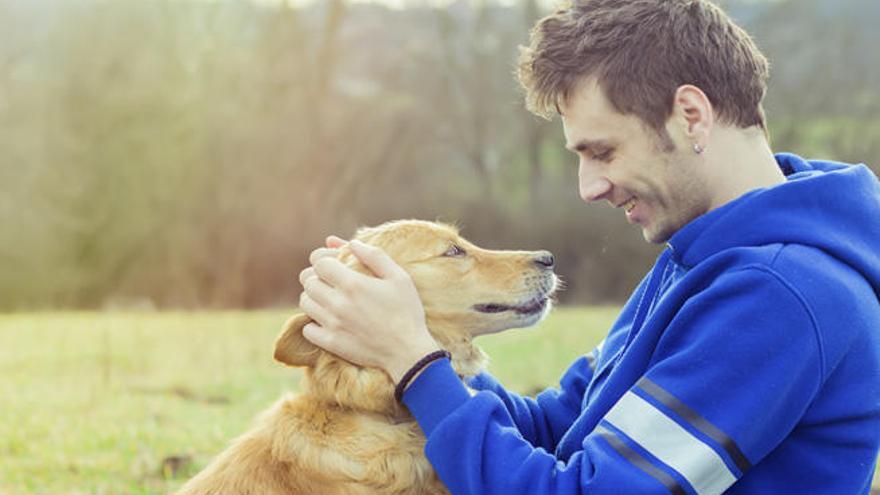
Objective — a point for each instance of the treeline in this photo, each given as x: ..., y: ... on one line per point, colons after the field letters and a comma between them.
x: 190, y: 154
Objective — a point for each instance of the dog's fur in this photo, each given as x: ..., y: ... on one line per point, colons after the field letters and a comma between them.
x: 344, y: 433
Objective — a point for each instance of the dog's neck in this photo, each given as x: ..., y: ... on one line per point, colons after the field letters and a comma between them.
x: 340, y: 384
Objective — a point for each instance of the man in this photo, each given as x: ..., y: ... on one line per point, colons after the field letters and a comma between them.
x: 747, y: 360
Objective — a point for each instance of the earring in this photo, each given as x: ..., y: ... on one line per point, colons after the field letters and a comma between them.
x: 698, y: 149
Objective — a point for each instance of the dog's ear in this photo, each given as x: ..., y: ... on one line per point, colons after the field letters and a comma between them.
x: 292, y: 348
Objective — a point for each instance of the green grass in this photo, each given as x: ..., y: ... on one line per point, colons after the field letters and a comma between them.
x: 95, y: 403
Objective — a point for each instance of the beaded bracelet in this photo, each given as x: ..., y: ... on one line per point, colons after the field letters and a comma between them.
x: 412, y: 372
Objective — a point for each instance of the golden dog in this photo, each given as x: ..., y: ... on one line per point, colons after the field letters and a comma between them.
x: 344, y: 433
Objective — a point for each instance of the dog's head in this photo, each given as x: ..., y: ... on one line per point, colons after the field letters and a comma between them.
x: 466, y: 291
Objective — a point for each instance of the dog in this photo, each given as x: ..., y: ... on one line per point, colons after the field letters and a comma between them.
x: 344, y: 433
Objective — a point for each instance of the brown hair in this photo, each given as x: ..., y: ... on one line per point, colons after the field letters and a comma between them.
x: 640, y: 52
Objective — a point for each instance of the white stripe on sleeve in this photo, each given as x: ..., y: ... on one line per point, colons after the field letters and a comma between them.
x: 666, y: 440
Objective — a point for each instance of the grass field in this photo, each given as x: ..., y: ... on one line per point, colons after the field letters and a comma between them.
x: 94, y: 403
x: 115, y: 403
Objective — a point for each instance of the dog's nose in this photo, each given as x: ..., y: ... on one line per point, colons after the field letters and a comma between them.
x: 544, y: 259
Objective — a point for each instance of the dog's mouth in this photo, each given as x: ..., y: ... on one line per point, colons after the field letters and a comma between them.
x: 535, y: 305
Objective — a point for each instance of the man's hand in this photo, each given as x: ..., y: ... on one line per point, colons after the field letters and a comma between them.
x: 378, y: 322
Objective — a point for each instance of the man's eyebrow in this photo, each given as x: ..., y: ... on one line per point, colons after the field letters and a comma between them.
x: 592, y: 145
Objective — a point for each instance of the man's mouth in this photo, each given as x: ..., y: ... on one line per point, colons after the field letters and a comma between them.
x: 629, y: 205
x: 532, y: 306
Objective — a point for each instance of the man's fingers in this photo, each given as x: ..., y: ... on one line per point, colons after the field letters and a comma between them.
x: 334, y: 242
x: 335, y: 274
x: 319, y: 291
x: 323, y: 338
x: 323, y: 253
x: 316, y: 334
x: 305, y: 275
x: 375, y: 259
x: 315, y: 311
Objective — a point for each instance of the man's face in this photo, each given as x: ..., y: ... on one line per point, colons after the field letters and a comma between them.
x: 624, y: 162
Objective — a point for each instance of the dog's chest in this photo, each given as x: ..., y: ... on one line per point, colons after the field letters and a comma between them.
x: 364, y: 453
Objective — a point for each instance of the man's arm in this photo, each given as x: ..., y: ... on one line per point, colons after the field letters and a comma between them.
x: 734, y: 373
x: 542, y: 421
x: 745, y: 325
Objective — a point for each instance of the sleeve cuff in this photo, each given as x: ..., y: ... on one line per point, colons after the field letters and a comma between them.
x: 483, y: 381
x: 434, y: 394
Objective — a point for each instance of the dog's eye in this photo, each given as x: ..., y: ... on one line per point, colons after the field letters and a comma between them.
x: 454, y: 252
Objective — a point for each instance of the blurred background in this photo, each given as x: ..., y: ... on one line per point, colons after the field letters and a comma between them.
x: 189, y: 154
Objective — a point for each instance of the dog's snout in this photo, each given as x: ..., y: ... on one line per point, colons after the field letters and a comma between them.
x: 545, y: 260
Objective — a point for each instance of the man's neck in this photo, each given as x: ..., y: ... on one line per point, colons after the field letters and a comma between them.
x: 740, y: 161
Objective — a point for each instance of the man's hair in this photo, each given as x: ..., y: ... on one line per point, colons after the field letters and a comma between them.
x: 640, y: 52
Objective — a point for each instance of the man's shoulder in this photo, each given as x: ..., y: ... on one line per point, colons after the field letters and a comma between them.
x: 841, y: 302
x: 819, y: 275
x: 806, y: 270
x: 837, y: 298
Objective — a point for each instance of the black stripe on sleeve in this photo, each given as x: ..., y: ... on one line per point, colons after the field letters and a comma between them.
x: 639, y: 461
x: 697, y: 421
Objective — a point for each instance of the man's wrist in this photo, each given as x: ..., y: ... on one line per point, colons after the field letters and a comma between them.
x: 398, y: 369
x: 421, y: 365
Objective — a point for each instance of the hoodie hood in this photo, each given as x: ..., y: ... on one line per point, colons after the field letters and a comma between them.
x: 834, y: 207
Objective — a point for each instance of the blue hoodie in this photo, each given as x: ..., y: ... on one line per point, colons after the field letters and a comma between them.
x: 746, y: 362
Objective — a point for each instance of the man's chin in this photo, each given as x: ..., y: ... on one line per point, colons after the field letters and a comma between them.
x: 656, y: 235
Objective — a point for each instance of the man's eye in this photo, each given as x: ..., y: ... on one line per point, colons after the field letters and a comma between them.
x: 454, y: 252
x: 605, y: 156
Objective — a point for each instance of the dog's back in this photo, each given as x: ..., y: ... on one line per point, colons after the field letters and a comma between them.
x: 248, y: 467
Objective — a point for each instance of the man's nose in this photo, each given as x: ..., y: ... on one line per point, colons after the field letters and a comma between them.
x: 595, y: 189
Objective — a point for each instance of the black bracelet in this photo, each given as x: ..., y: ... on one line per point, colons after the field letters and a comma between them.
x: 408, y: 376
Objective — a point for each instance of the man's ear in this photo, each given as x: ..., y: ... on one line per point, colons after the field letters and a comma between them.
x: 694, y: 109
x: 292, y: 348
